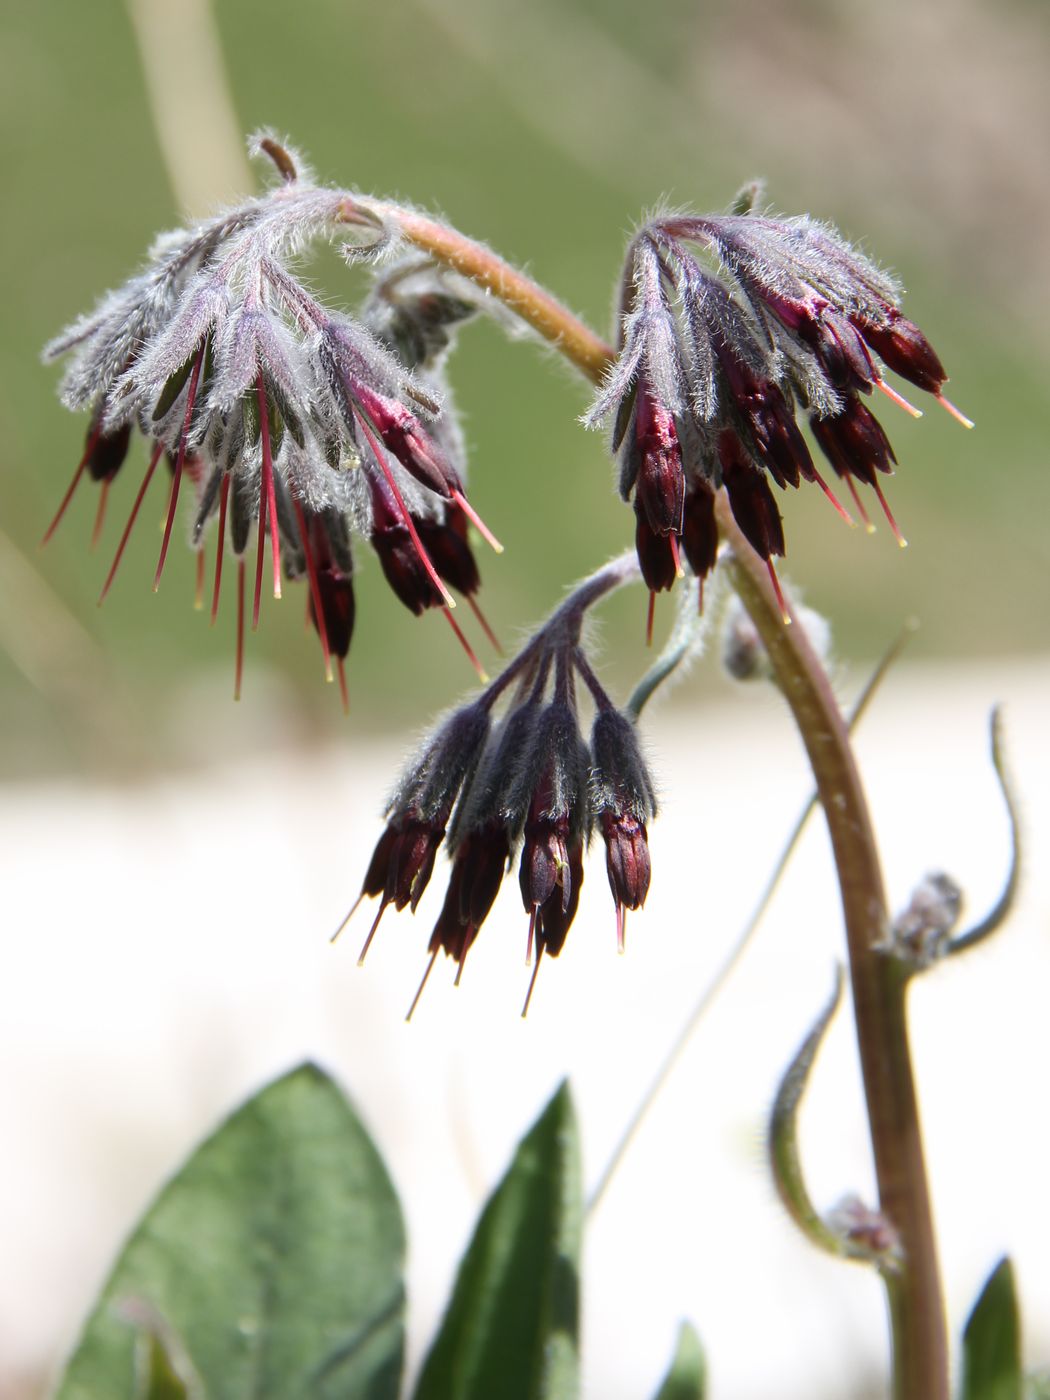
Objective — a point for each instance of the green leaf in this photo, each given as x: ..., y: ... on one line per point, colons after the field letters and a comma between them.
x: 274, y: 1256
x: 992, y: 1341
x: 687, y: 1378
x: 511, y: 1327
x: 784, y: 1155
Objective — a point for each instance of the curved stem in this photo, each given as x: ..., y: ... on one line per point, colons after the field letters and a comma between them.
x: 920, y: 1366
x: 536, y: 307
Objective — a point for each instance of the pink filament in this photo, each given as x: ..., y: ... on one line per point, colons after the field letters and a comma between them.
x: 158, y: 449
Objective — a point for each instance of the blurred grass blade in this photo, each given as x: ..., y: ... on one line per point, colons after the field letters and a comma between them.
x: 274, y: 1256
x: 992, y: 1341
x: 687, y: 1378
x: 511, y: 1329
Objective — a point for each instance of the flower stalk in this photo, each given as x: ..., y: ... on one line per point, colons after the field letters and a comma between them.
x: 920, y: 1364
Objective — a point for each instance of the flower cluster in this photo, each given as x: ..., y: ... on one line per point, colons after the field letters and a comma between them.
x: 289, y: 420
x: 713, y: 369
x: 525, y: 781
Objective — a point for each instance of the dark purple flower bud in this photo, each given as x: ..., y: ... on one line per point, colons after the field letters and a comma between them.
x: 854, y: 442
x: 403, y: 861
x: 660, y: 481
x: 699, y: 528
x: 105, y: 452
x: 626, y: 858
x: 903, y: 347
x: 336, y: 592
x: 656, y: 553
x: 750, y: 498
x: 446, y: 543
x: 411, y: 862
x: 544, y: 858
x: 404, y: 436
x: 399, y: 558
x: 328, y: 562
x: 624, y: 801
x: 553, y: 918
x: 477, y: 873
x: 774, y: 436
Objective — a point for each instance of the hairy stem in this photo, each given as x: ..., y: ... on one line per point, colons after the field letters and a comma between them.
x: 537, y: 308
x: 920, y: 1366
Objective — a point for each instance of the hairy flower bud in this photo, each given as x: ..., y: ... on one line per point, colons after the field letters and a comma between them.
x: 624, y: 801
x: 712, y: 367
x: 276, y: 409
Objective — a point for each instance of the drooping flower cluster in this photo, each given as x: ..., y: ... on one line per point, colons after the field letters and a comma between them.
x: 289, y: 420
x: 526, y: 780
x: 714, y: 368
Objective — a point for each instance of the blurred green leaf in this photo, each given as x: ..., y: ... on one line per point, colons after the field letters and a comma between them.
x: 511, y: 1327
x: 687, y: 1378
x: 992, y: 1341
x: 275, y: 1256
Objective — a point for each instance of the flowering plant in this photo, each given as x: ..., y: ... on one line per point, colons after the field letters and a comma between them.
x: 312, y: 428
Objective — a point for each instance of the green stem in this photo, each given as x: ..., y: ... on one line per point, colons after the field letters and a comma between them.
x: 920, y: 1364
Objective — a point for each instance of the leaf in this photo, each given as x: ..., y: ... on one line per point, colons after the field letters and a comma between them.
x: 511, y: 1329
x: 992, y: 1341
x: 784, y: 1155
x: 275, y: 1256
x: 687, y: 1378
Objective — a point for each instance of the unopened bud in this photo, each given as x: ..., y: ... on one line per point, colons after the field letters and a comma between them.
x: 920, y: 932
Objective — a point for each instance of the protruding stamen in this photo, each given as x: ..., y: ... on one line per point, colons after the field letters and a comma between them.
x: 419, y: 993
x: 532, y: 983
x: 532, y: 935
x: 198, y: 590
x: 383, y: 907
x: 898, y: 399
x: 472, y: 515
x: 315, y: 588
x: 91, y: 444
x: 650, y: 618
x: 621, y: 928
x: 224, y: 492
x: 238, y: 673
x: 468, y: 939
x: 889, y: 516
x: 406, y: 517
x: 158, y: 449
x: 471, y: 655
x: 180, y: 461
x: 483, y: 621
x: 350, y: 915
x: 267, y: 484
x: 344, y: 693
x: 672, y: 540
x: 260, y: 559
x: 861, y: 509
x: 100, y: 513
x: 834, y: 499
x: 956, y: 413
x: 779, y: 592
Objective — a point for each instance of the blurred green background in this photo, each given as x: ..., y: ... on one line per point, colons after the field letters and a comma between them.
x: 545, y: 129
